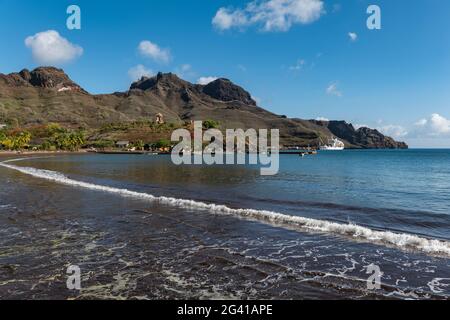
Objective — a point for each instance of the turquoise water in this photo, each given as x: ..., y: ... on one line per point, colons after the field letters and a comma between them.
x: 107, y: 204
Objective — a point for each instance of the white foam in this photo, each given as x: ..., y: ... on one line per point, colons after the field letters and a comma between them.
x: 399, y: 240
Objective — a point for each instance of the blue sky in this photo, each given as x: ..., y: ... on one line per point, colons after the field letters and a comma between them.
x: 396, y: 79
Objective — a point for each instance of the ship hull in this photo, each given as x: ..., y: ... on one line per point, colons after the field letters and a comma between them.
x: 331, y: 148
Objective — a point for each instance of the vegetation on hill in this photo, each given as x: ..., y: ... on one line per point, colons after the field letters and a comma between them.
x: 14, y: 139
x: 48, y: 137
x: 53, y: 136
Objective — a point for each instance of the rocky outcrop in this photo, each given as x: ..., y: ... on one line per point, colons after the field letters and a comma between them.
x: 225, y: 90
x: 373, y: 139
x: 162, y: 80
x: 220, y: 89
x: 43, y: 77
x: 362, y: 137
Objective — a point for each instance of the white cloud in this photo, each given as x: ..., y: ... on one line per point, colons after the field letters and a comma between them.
x: 353, y: 36
x: 435, y: 126
x: 421, y: 122
x: 153, y: 51
x: 298, y: 65
x: 139, y: 71
x: 206, y: 80
x: 333, y: 90
x: 439, y: 124
x: 322, y: 119
x: 394, y: 131
x: 433, y: 131
x: 271, y: 15
x: 226, y: 19
x: 49, y: 48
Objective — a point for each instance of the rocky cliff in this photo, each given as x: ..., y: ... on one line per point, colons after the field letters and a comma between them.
x: 49, y: 77
x: 362, y: 137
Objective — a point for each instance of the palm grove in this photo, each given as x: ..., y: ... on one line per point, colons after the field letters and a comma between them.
x: 49, y: 137
x: 52, y: 137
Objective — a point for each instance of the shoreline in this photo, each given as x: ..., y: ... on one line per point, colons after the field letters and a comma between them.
x: 4, y: 154
x: 39, y: 153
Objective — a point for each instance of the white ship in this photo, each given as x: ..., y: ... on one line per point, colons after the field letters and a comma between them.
x: 333, y: 145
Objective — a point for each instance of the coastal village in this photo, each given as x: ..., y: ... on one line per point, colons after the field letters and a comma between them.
x: 150, y: 137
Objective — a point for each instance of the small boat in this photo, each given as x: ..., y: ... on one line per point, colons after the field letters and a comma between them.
x: 333, y: 145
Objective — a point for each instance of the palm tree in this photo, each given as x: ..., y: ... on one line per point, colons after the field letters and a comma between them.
x: 139, y: 145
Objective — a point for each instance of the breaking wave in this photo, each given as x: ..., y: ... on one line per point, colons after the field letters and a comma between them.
x: 388, y: 238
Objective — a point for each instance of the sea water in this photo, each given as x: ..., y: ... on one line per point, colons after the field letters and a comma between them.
x: 141, y: 227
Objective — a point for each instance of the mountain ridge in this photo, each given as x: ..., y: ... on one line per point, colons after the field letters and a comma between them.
x: 47, y: 94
